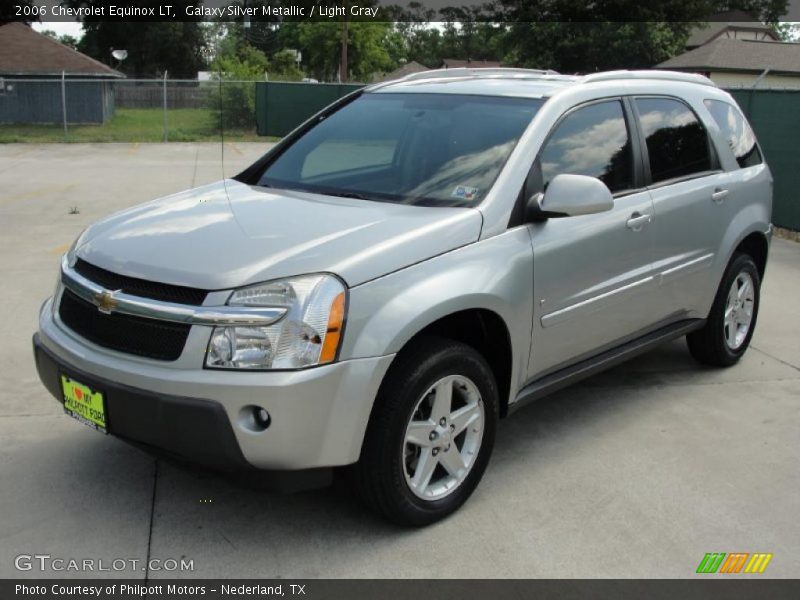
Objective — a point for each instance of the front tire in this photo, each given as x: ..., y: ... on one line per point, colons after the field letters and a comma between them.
x: 732, y: 320
x: 431, y: 433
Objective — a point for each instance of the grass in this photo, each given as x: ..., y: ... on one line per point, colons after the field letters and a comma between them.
x: 134, y: 125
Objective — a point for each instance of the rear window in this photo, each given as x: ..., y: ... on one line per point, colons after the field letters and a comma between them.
x: 677, y: 143
x: 736, y: 131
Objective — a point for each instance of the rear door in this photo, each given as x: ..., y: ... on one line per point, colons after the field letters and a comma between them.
x: 592, y: 273
x: 686, y: 185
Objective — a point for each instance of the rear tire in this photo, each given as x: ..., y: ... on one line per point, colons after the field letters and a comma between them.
x: 431, y: 433
x: 732, y: 320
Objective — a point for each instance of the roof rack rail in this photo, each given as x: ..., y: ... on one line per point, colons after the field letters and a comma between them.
x: 472, y: 71
x: 649, y: 74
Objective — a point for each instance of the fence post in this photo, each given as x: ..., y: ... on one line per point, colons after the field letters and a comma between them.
x: 64, y: 104
x: 165, y: 106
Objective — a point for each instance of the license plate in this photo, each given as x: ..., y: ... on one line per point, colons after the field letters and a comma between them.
x: 84, y: 404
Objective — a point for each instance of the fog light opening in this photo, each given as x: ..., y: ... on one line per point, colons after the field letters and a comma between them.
x: 255, y: 419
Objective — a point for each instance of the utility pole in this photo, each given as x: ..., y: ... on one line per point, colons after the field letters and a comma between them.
x: 343, y: 63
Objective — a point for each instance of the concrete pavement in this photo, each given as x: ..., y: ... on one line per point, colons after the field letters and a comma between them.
x: 637, y: 472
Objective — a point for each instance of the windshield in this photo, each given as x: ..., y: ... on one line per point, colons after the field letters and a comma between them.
x: 424, y: 149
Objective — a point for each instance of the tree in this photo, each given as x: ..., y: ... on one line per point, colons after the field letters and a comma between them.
x: 584, y: 37
x: 589, y: 47
x: 8, y: 11
x: 320, y: 45
x: 238, y: 67
x: 153, y: 47
x: 283, y: 66
x: 788, y: 32
x: 66, y: 39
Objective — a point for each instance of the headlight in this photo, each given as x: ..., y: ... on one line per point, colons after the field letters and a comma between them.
x: 308, y: 334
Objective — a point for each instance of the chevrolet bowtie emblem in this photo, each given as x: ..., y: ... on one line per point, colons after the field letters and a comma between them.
x: 105, y: 302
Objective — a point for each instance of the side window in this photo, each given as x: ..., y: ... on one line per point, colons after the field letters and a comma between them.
x: 736, y: 130
x: 593, y: 141
x: 677, y: 143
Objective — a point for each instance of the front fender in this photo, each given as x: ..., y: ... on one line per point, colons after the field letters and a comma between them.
x: 495, y: 274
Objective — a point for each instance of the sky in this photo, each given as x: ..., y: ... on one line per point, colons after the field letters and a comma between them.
x: 70, y: 28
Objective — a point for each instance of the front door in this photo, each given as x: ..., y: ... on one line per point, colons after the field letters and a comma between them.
x: 593, y: 281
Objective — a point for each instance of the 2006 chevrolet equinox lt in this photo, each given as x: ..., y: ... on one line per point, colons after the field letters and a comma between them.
x: 416, y: 261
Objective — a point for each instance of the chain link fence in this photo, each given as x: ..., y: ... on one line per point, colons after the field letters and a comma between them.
x: 126, y: 110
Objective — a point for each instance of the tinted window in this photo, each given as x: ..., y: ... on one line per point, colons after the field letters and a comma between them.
x: 591, y: 141
x: 676, y: 140
x: 736, y: 131
x: 431, y: 149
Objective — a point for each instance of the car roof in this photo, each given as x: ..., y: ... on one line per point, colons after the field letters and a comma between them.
x: 528, y: 83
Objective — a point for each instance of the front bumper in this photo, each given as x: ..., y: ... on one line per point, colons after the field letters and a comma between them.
x: 318, y: 415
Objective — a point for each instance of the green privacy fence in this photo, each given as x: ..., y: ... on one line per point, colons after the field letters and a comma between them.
x: 280, y: 107
x: 775, y: 117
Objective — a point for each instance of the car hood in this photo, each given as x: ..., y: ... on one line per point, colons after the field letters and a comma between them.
x: 229, y: 234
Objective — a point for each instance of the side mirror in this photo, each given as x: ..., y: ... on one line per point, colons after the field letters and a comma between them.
x: 570, y: 196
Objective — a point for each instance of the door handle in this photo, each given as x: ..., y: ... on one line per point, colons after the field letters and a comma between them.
x: 637, y: 221
x: 719, y: 195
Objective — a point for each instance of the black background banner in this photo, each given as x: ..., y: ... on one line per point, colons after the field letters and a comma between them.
x: 713, y: 587
x: 366, y: 10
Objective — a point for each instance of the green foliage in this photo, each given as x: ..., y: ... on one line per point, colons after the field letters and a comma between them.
x: 788, y: 32
x: 568, y: 36
x: 68, y: 40
x: 153, y: 47
x: 283, y: 67
x: 238, y: 67
x: 575, y: 48
x: 320, y: 45
x: 8, y: 11
x: 134, y: 125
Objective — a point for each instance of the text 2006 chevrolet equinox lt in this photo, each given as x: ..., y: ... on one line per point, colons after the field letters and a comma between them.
x: 413, y: 263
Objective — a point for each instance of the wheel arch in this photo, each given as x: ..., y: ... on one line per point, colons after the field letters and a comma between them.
x: 756, y: 245
x: 485, y: 331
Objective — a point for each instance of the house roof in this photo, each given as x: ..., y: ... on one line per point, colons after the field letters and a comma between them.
x: 726, y: 54
x: 454, y: 63
x: 727, y: 23
x: 24, y: 51
x: 407, y: 69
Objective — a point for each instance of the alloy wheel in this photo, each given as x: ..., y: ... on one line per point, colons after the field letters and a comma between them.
x: 443, y: 437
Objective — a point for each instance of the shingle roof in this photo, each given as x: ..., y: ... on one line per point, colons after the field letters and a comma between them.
x: 23, y: 51
x: 739, y: 55
x: 734, y: 20
x: 407, y: 69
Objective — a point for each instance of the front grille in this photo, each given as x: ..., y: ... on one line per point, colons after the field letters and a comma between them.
x: 141, y: 287
x: 135, y: 335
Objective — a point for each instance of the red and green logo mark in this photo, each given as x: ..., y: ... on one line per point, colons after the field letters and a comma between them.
x: 735, y: 562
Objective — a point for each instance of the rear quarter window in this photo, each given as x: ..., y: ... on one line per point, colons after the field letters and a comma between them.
x: 736, y: 131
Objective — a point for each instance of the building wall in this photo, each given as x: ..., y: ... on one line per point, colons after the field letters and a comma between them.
x: 730, y: 79
x: 39, y: 101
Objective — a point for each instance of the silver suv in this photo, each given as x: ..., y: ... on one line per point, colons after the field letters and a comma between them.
x: 415, y: 262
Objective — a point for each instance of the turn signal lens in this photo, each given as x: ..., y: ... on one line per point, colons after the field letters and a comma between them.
x: 333, y: 332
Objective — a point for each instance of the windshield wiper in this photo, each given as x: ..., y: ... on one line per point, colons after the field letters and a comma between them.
x: 343, y: 194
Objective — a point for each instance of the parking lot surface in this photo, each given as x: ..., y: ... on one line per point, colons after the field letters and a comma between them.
x: 637, y: 472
